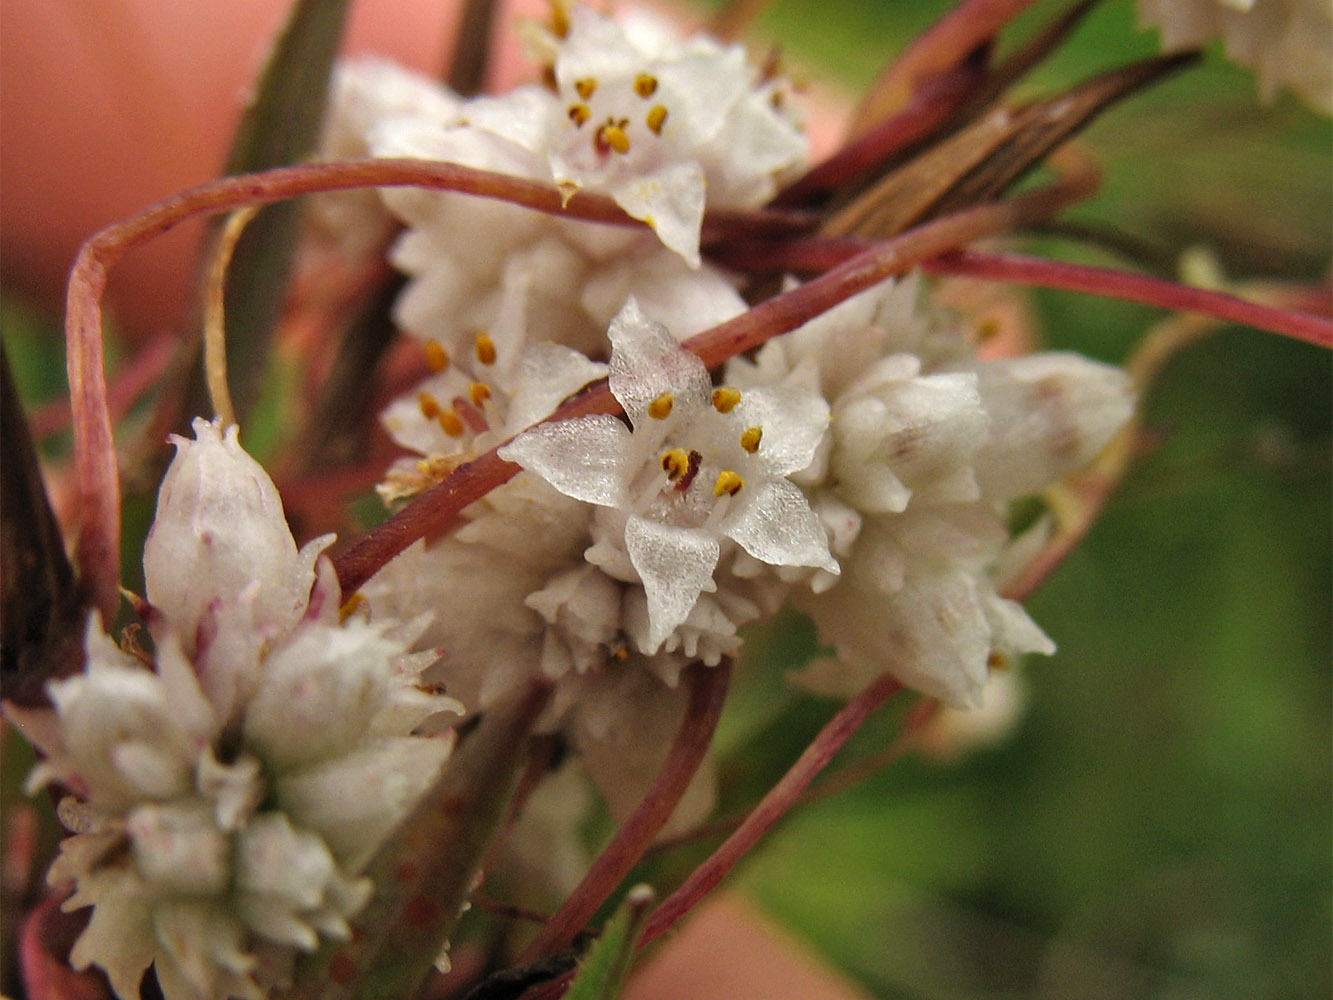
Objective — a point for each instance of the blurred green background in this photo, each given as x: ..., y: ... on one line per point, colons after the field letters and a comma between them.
x: 1158, y: 825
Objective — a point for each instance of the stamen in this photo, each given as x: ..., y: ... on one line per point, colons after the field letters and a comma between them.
x: 660, y: 408
x: 586, y: 87
x: 728, y: 484
x: 645, y: 85
x: 725, y: 399
x: 560, y: 18
x: 657, y: 116
x: 751, y: 438
x: 350, y: 607
x: 437, y: 358
x: 695, y: 461
x: 451, y: 423
x: 612, y: 136
x: 676, y: 463
x: 485, y: 348
x: 430, y: 406
x: 579, y: 114
x: 479, y: 392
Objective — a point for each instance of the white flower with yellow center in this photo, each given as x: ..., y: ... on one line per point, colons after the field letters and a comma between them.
x: 663, y: 126
x: 231, y: 797
x: 701, y: 467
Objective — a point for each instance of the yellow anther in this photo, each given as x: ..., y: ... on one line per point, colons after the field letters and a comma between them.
x: 660, y: 408
x: 560, y: 18
x: 675, y: 463
x: 451, y: 423
x: 485, y: 348
x: 479, y: 392
x: 645, y: 85
x: 725, y: 399
x: 430, y: 406
x: 436, y: 356
x: 613, y: 134
x: 657, y: 116
x: 728, y: 484
x: 751, y: 438
x: 350, y: 607
x: 586, y: 87
x: 579, y: 114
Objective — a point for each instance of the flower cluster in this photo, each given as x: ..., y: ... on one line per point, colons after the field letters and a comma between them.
x: 230, y: 796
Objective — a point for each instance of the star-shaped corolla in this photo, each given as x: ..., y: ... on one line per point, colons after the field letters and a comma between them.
x: 660, y: 124
x: 702, y: 467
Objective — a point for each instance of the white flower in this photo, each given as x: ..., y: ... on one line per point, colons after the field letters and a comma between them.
x: 232, y: 796
x: 662, y: 126
x: 926, y: 446
x: 1286, y: 42
x: 699, y: 467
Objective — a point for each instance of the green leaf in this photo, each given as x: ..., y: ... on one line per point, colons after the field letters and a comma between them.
x: 602, y: 973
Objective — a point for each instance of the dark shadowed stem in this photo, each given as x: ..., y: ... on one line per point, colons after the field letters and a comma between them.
x: 773, y: 807
x: 708, y: 690
x: 929, y: 108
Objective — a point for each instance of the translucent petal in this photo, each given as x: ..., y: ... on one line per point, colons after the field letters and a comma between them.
x: 586, y: 459
x: 772, y: 521
x: 647, y: 362
x: 675, y: 564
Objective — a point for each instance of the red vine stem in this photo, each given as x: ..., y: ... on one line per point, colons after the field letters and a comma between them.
x: 438, y: 508
x: 1023, y: 270
x: 707, y: 693
x: 95, y: 463
x: 773, y: 806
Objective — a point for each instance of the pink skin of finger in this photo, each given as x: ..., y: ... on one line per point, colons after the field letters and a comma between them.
x: 108, y: 107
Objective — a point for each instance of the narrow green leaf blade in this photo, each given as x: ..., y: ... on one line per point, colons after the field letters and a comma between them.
x: 602, y: 973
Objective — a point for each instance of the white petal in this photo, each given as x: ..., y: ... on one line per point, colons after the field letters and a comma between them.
x: 675, y: 564
x: 772, y: 521
x: 647, y: 362
x: 586, y: 458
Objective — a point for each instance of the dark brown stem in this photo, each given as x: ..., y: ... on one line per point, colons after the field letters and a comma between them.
x: 773, y: 807
x: 708, y: 689
x: 945, y: 45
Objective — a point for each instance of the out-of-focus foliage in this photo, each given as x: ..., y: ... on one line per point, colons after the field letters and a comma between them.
x: 1159, y: 825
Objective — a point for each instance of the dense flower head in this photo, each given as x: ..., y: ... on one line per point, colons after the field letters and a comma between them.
x: 1288, y: 43
x: 229, y: 798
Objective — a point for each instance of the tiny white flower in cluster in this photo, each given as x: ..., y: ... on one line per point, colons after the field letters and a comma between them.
x: 926, y: 446
x: 700, y: 467
x: 1288, y: 43
x: 231, y: 797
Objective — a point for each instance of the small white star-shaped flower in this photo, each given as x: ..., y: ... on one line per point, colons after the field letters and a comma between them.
x: 701, y: 466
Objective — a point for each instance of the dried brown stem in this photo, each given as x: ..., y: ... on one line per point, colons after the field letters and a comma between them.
x: 945, y: 45
x: 708, y: 689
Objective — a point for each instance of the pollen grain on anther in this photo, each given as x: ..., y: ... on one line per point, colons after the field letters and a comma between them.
x: 725, y: 399
x: 728, y: 483
x: 657, y: 116
x: 485, y: 348
x: 660, y: 408
x: 751, y: 438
